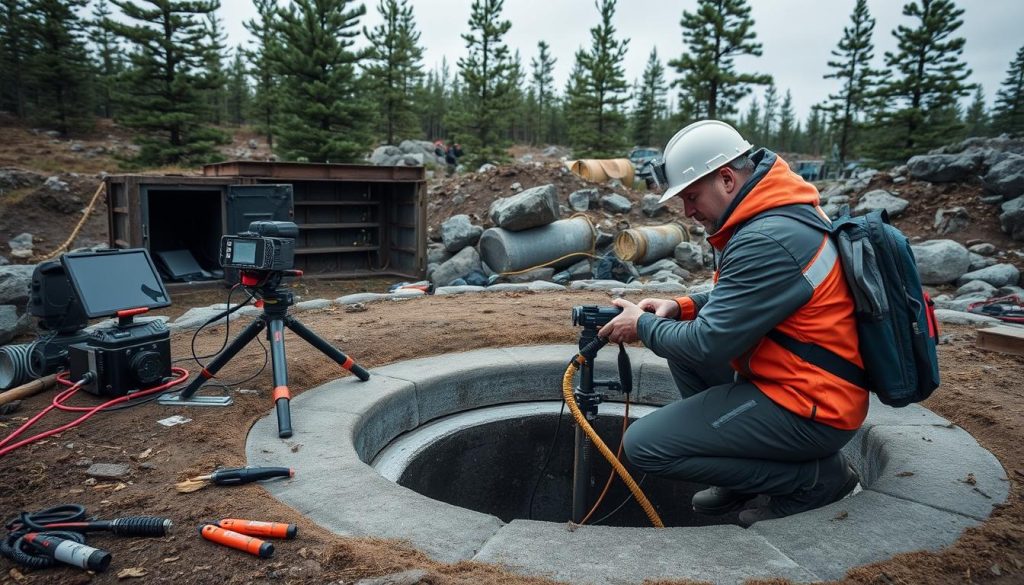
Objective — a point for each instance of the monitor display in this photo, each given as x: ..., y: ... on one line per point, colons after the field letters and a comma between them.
x: 110, y: 281
x: 245, y: 252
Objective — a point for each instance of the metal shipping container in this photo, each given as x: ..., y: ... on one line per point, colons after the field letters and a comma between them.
x: 354, y: 220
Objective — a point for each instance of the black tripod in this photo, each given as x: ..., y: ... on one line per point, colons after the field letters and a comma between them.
x: 588, y: 400
x: 275, y: 318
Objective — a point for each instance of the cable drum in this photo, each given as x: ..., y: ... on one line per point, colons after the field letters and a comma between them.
x: 15, y: 364
x: 644, y: 245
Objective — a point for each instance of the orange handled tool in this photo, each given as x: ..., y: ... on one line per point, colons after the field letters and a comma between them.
x: 258, y: 528
x: 249, y: 544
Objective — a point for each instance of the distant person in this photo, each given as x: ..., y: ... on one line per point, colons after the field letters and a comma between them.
x: 451, y: 157
x: 755, y: 417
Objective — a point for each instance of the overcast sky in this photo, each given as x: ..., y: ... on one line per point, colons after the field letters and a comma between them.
x: 796, y: 35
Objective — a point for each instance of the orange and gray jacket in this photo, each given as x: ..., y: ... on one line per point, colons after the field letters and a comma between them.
x: 775, y: 273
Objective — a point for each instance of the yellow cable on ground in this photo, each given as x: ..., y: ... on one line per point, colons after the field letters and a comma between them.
x: 78, y: 228
x: 605, y: 451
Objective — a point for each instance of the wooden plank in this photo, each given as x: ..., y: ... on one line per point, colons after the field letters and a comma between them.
x: 1002, y: 339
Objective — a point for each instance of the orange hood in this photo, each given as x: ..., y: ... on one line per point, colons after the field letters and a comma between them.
x: 772, y: 185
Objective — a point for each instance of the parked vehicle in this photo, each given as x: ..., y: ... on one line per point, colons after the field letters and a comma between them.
x: 642, y: 157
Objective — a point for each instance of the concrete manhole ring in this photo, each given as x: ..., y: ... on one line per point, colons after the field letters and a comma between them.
x: 913, y: 464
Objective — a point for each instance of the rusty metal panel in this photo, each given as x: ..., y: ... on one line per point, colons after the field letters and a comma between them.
x: 314, y: 171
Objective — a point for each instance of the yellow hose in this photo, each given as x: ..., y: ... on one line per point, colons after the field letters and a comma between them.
x: 605, y: 451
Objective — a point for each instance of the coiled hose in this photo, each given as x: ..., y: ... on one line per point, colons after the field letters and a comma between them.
x: 581, y: 420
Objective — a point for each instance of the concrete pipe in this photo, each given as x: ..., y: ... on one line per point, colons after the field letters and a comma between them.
x: 506, y: 251
x: 15, y: 368
x: 644, y: 245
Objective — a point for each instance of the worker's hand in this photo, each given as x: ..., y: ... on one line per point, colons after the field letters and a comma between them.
x: 622, y: 329
x: 666, y: 308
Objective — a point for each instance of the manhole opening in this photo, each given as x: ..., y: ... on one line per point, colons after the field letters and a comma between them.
x: 493, y: 467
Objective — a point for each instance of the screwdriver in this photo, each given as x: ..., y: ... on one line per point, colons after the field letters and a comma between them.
x: 233, y: 476
x: 258, y: 528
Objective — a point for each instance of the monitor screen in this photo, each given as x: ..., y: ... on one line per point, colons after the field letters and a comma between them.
x: 111, y: 281
x: 245, y: 252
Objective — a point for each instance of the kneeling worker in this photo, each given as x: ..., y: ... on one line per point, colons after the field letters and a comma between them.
x: 755, y: 418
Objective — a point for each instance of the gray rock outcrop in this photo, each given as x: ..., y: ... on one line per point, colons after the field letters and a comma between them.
x: 583, y: 199
x: 21, y: 246
x: 14, y: 284
x: 650, y: 205
x: 941, y: 261
x: 953, y: 219
x: 458, y: 266
x: 1006, y: 177
x: 881, y: 199
x: 998, y: 275
x: 944, y: 168
x: 531, y: 208
x: 616, y: 203
x: 689, y: 256
x: 457, y: 232
x: 1011, y: 220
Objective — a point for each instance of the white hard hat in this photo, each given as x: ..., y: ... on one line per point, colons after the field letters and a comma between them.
x: 697, y: 150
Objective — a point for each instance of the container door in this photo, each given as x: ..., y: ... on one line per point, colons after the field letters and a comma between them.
x: 249, y: 203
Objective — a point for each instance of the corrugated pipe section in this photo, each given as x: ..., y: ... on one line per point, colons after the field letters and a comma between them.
x: 15, y: 365
x: 644, y: 245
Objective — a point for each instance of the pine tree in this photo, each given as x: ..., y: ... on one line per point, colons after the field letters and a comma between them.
x: 16, y: 45
x: 394, y: 68
x: 482, y: 117
x: 215, y: 78
x: 239, y: 96
x: 852, y: 67
x: 752, y: 123
x: 109, y: 59
x: 606, y: 84
x: 815, y: 135
x: 163, y: 93
x: 715, y: 34
x: 770, y: 115
x: 542, y: 82
x: 58, y: 72
x: 324, y: 117
x: 433, y: 103
x: 976, y: 118
x: 650, y: 101
x: 1008, y: 114
x: 788, y: 126
x: 928, y: 79
x: 520, y: 120
x: 578, y: 105
x: 267, y: 95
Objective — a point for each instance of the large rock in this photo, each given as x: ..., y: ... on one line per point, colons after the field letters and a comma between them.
x: 689, y: 256
x: 953, y: 219
x: 649, y: 205
x: 385, y: 155
x: 583, y: 199
x: 944, y: 168
x: 616, y: 203
x: 531, y: 208
x: 978, y: 262
x: 10, y: 324
x: 21, y: 246
x: 436, y: 253
x: 1007, y: 176
x: 976, y: 287
x: 941, y: 261
x: 998, y: 275
x: 15, y: 281
x: 457, y: 232
x: 459, y: 266
x: 881, y: 199
x: 1011, y: 220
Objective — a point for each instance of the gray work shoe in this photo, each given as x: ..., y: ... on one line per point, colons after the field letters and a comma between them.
x: 715, y: 501
x: 830, y: 488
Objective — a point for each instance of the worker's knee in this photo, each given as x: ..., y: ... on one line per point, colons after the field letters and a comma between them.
x: 644, y: 451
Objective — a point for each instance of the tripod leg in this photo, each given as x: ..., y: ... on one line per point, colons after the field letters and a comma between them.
x: 328, y: 349
x: 279, y: 364
x: 247, y: 335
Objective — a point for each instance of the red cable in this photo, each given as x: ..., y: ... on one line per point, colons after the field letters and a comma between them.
x: 89, y: 411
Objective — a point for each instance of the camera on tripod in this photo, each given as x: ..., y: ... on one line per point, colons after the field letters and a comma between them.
x: 267, y: 246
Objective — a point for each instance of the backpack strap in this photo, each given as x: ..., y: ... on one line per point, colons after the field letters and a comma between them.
x: 815, y: 273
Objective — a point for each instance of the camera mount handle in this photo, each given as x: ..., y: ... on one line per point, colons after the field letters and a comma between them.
x: 589, y: 400
x: 275, y: 319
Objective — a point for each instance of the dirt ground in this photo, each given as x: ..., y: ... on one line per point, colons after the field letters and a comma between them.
x: 981, y: 392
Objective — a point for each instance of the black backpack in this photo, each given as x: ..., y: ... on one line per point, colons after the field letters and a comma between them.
x: 896, y: 321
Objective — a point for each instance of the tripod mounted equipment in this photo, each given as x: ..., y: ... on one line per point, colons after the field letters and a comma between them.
x: 275, y: 300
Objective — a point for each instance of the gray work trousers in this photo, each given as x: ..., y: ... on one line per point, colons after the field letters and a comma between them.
x: 727, y: 433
